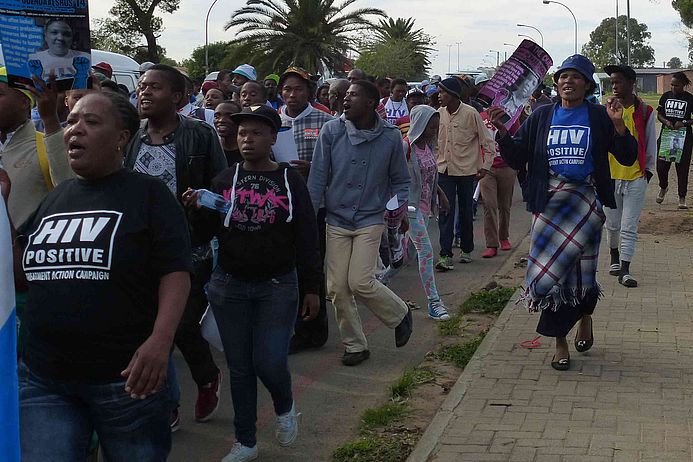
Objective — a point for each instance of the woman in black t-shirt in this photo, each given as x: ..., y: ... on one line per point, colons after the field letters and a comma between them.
x: 674, y: 112
x: 269, y: 231
x: 107, y: 263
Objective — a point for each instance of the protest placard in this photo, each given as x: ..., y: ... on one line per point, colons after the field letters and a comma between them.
x: 515, y: 81
x: 671, y: 144
x: 44, y: 37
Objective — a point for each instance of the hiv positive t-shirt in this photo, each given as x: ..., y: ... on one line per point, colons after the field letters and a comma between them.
x: 569, y: 144
x: 95, y: 253
x: 676, y: 107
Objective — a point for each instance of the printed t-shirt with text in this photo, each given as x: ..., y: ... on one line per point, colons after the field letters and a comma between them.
x: 676, y: 108
x: 569, y: 144
x: 395, y: 110
x: 95, y: 253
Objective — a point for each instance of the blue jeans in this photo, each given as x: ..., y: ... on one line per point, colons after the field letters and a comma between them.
x: 457, y: 189
x: 256, y: 321
x: 56, y: 421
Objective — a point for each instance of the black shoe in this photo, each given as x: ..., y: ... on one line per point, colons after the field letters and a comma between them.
x: 354, y: 359
x: 404, y: 329
x: 299, y: 343
x: 627, y: 280
x: 563, y: 364
x: 584, y: 345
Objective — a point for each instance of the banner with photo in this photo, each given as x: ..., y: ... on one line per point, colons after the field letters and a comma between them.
x: 515, y: 81
x: 44, y: 37
x: 671, y: 144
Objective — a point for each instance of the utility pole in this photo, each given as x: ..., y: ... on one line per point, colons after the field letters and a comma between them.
x: 497, y: 56
x: 628, y: 31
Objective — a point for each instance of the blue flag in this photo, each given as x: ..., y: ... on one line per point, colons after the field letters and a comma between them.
x: 9, y: 391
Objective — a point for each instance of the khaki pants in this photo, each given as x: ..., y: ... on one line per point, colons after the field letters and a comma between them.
x: 497, y: 192
x: 350, y: 262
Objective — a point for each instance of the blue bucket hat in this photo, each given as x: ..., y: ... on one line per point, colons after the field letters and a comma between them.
x: 581, y: 64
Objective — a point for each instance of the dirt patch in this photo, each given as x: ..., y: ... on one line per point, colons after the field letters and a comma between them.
x: 664, y: 222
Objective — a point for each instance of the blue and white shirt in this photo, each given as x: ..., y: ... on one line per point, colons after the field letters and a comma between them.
x: 569, y: 144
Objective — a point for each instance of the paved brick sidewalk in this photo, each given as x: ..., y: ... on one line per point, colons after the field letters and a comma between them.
x: 628, y: 399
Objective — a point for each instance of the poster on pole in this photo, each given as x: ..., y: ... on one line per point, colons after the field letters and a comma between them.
x: 44, y: 37
x: 671, y: 144
x: 515, y: 81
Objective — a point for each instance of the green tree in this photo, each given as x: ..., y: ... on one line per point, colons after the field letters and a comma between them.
x: 601, y: 47
x: 313, y: 34
x: 131, y: 20
x: 221, y: 55
x: 397, y: 39
x: 388, y: 59
x: 675, y: 63
x: 685, y: 10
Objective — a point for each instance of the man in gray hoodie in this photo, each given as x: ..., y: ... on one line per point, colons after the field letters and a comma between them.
x: 358, y: 165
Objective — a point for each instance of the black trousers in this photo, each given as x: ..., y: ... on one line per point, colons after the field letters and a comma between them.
x: 559, y: 323
x: 188, y: 339
x: 314, y: 332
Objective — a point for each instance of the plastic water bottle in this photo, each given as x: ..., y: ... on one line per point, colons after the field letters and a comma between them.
x: 212, y: 201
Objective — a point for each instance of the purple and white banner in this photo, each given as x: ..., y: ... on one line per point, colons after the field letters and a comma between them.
x: 515, y: 81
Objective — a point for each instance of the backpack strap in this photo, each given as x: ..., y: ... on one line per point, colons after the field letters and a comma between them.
x: 43, y: 160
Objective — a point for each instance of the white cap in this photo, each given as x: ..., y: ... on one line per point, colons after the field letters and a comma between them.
x: 247, y: 71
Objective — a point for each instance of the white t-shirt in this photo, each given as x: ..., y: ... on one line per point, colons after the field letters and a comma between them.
x: 395, y: 110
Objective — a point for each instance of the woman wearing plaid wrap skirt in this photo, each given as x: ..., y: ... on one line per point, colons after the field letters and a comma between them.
x: 564, y: 148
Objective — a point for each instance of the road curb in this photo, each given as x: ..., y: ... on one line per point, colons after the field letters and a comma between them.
x: 440, y: 421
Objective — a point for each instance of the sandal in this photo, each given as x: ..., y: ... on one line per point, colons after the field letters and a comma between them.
x: 563, y: 364
x: 615, y: 269
x: 627, y: 280
x: 584, y: 345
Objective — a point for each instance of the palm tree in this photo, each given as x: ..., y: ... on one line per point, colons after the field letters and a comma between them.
x: 312, y: 34
x: 402, y: 31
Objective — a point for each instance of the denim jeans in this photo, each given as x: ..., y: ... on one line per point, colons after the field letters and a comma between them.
x: 56, y: 421
x: 457, y: 189
x: 256, y: 321
x: 622, y: 222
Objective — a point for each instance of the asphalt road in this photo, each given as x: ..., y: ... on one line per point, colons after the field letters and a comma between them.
x: 331, y: 397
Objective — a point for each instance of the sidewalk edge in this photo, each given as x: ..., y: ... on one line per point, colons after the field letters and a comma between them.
x: 429, y: 440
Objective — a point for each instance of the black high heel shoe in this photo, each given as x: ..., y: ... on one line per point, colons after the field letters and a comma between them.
x: 585, y: 345
x: 563, y: 364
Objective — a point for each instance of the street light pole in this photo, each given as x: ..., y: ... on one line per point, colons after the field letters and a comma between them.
x: 458, y: 56
x: 449, y: 61
x: 532, y: 27
x: 546, y: 2
x: 207, y: 37
x: 618, y: 60
x: 527, y: 37
x: 497, y: 56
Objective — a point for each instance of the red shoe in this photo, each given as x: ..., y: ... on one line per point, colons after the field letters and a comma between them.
x: 207, y: 400
x: 506, y: 245
x: 490, y: 252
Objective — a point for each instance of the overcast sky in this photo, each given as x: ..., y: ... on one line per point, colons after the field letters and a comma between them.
x: 480, y: 25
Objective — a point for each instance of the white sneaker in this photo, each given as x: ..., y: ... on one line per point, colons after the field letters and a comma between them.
x: 682, y: 203
x: 287, y: 427
x: 437, y: 311
x: 240, y: 453
x: 661, y: 194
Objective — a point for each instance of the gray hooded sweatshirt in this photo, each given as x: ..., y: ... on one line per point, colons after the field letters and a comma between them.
x: 357, y: 171
x: 419, y: 118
